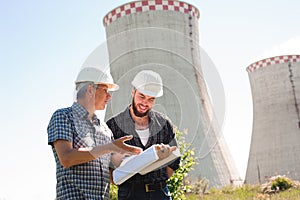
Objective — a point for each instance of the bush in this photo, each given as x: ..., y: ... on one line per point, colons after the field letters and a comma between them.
x: 277, y: 183
x: 113, y: 192
x: 281, y: 183
x: 176, y: 183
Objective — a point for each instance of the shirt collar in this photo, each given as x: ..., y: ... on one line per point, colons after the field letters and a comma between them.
x: 80, y: 111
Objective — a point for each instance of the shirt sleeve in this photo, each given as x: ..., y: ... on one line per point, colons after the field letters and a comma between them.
x: 59, y: 128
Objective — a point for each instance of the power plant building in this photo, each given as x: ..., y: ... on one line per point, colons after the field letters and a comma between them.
x: 275, y: 146
x: 162, y: 35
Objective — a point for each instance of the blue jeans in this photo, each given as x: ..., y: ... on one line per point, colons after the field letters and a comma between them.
x: 135, y: 191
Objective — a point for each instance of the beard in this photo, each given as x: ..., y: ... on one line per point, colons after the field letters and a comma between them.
x: 136, y: 112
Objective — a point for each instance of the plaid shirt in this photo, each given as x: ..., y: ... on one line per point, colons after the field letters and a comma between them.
x: 161, y: 131
x: 88, y: 180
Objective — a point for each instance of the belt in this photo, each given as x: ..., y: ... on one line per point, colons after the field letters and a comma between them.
x: 151, y: 187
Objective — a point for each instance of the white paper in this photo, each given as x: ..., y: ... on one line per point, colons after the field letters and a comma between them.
x: 175, y: 154
x: 133, y: 165
x: 143, y: 163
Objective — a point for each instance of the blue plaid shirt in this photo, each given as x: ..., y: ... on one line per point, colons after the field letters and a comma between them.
x: 88, y: 180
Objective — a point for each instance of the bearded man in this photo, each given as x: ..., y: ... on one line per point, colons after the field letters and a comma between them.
x: 148, y: 127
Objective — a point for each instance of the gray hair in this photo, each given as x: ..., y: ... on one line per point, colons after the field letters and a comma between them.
x: 82, y: 87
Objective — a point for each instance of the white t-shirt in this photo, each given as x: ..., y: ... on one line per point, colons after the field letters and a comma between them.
x: 144, y: 135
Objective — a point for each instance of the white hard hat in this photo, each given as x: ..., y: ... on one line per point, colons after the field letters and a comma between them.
x: 91, y: 74
x: 149, y: 83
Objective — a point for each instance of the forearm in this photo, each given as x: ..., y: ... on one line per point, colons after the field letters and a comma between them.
x: 69, y: 157
x: 75, y: 157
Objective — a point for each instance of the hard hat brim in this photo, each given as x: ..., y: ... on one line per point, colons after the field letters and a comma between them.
x: 112, y: 87
x: 151, y: 94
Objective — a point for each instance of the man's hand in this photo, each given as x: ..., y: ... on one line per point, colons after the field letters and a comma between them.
x: 165, y: 150
x: 120, y: 147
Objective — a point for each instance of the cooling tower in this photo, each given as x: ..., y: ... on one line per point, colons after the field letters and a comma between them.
x: 275, y: 147
x: 162, y: 35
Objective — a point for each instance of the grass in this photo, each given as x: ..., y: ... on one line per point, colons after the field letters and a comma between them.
x: 277, y: 188
x: 245, y: 192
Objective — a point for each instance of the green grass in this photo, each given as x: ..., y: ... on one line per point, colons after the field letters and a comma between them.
x: 245, y: 192
x: 277, y: 188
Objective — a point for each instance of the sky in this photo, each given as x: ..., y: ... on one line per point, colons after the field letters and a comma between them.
x: 44, y: 43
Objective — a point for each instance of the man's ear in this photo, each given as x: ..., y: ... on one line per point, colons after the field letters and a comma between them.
x: 90, y: 90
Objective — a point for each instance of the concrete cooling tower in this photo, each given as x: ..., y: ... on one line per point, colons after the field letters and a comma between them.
x: 162, y: 35
x: 275, y: 147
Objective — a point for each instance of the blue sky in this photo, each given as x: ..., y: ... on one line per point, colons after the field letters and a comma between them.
x: 44, y: 43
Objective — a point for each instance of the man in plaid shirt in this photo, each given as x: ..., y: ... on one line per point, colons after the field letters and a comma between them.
x: 148, y: 128
x: 82, y: 144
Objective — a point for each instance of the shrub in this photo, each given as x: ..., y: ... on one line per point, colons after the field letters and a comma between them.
x: 281, y: 183
x: 278, y: 183
x: 176, y: 183
x: 113, y: 192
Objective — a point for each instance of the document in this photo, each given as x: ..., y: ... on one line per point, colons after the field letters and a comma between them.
x: 143, y: 163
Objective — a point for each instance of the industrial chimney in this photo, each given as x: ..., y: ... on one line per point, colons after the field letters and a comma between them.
x: 275, y: 147
x: 162, y: 35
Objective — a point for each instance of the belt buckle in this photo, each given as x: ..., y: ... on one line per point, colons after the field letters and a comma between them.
x: 147, y: 188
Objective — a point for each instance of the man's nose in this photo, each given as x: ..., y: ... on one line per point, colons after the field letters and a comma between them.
x: 108, y: 96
